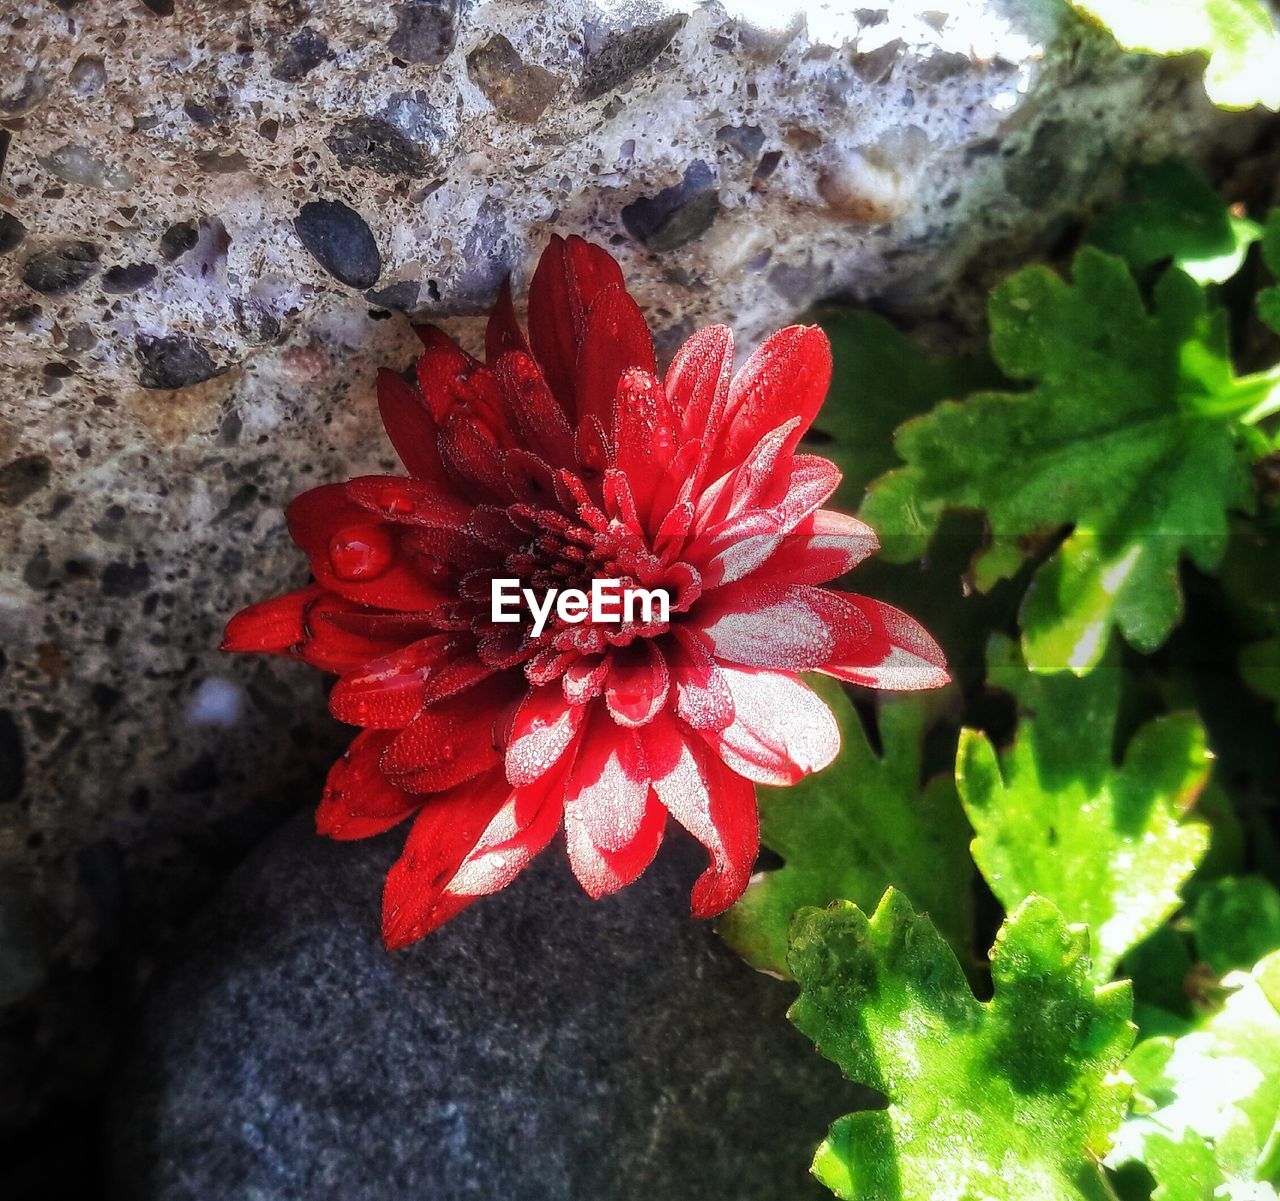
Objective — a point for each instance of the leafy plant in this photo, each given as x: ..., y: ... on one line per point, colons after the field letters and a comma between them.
x: 1136, y: 435
x: 1015, y: 1098
x: 1176, y: 218
x: 1109, y: 471
x: 1109, y: 845
x: 1206, y: 1107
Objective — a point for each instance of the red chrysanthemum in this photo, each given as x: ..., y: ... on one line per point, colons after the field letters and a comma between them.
x: 559, y: 460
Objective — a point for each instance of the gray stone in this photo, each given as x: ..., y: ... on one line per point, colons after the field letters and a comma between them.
x: 62, y: 269
x: 12, y: 758
x: 23, y: 477
x: 341, y: 242
x: 299, y: 54
x: 426, y: 31
x: 173, y: 361
x: 123, y: 280
x: 542, y: 1047
x: 676, y: 215
x: 401, y: 296
x: 853, y: 154
x: 616, y: 56
x: 180, y: 237
x: 12, y: 232
x: 376, y: 144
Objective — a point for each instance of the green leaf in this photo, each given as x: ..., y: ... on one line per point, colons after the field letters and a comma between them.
x: 1108, y: 844
x: 1236, y: 922
x: 1014, y: 1099
x: 851, y: 831
x: 1206, y: 1105
x: 1269, y: 298
x: 1129, y: 434
x: 1238, y: 37
x: 880, y: 378
x: 1178, y: 218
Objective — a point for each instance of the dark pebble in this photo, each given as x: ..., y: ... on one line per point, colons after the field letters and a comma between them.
x: 340, y: 242
x: 401, y: 297
x: 379, y: 146
x: 302, y: 53
x: 64, y: 269
x: 173, y: 361
x: 678, y: 214
x: 12, y: 231
x: 425, y: 31
x: 745, y: 139
x: 123, y: 280
x: 618, y: 57
x: 23, y: 477
x: 178, y: 239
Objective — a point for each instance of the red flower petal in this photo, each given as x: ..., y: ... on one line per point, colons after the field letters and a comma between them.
x: 717, y: 807
x: 331, y: 647
x: 521, y: 829
x: 409, y: 425
x: 569, y: 276
x: 615, y: 339
x: 503, y: 333
x: 608, y: 784
x: 388, y: 693
x: 541, y: 421
x: 900, y: 653
x: 356, y: 557
x: 446, y: 831
x: 702, y: 693
x: 781, y: 729
x: 601, y: 872
x: 637, y: 684
x: 449, y: 741
x: 359, y: 801
x: 409, y: 502
x: 782, y: 627
x: 823, y: 546
x: 788, y: 376
x: 753, y: 530
x: 698, y: 382
x: 545, y: 726
x: 273, y: 627
x: 644, y: 437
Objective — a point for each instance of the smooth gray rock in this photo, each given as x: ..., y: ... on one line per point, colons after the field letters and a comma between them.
x: 542, y: 1046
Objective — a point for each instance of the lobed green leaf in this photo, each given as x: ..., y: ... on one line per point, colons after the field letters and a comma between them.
x: 1014, y: 1099
x: 1109, y: 844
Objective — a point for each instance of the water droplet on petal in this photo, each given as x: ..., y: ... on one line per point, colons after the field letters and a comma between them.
x: 396, y: 502
x: 361, y: 552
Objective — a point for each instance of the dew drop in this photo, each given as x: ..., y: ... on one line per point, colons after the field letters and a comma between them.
x: 396, y: 503
x: 361, y: 552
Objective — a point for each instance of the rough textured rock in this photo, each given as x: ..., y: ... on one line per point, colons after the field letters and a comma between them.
x: 175, y: 364
x: 541, y: 1046
x: 896, y: 144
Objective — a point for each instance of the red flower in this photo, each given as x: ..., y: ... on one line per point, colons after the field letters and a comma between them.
x: 559, y: 460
